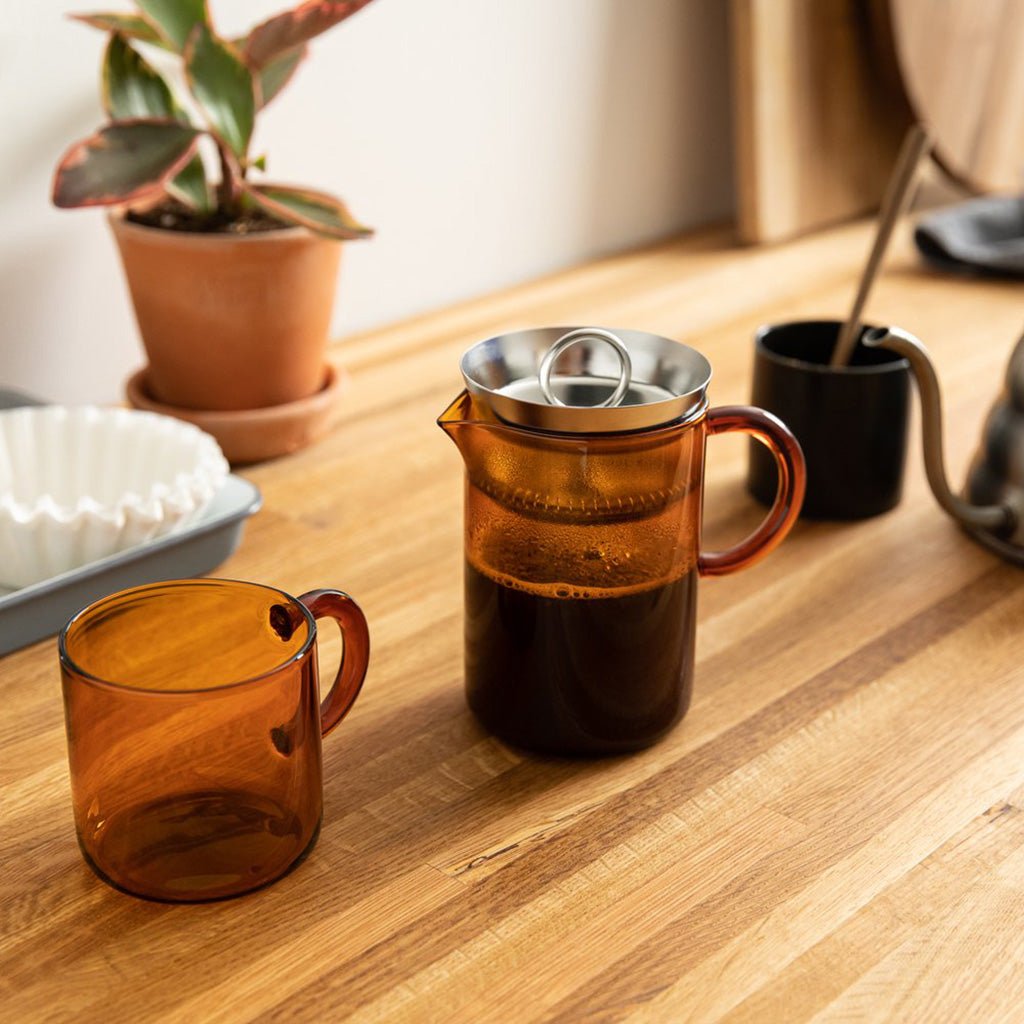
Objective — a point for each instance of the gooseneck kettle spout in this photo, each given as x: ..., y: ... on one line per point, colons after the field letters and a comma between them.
x: 997, y: 521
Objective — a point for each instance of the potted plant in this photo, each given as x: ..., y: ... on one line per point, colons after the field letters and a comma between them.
x: 232, y: 278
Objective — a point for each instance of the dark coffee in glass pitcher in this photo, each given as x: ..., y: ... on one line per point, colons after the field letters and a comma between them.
x: 579, y: 672
x: 582, y: 532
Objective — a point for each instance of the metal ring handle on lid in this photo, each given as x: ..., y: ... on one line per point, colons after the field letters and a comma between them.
x: 625, y: 363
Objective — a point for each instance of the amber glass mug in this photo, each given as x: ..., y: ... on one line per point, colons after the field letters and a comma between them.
x: 194, y: 723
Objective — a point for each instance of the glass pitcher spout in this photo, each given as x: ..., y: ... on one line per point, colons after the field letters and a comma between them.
x: 465, y: 416
x: 483, y: 440
x: 461, y: 411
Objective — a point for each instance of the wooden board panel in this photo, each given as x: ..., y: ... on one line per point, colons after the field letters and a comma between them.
x: 962, y: 65
x: 819, y: 113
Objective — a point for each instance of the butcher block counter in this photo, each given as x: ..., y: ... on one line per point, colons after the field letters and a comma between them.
x: 835, y: 831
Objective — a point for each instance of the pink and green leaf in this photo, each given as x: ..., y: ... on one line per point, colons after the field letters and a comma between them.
x: 132, y: 26
x: 123, y: 161
x: 132, y: 87
x: 176, y: 19
x: 271, y: 38
x: 307, y: 208
x: 223, y: 87
x: 190, y: 187
x: 278, y: 72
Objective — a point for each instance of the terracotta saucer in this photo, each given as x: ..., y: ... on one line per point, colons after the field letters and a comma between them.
x: 252, y: 435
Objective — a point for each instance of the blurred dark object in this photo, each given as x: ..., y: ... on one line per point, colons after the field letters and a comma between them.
x: 983, y: 236
x: 11, y: 398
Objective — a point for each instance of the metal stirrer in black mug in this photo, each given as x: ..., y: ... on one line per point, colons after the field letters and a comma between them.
x: 897, y: 198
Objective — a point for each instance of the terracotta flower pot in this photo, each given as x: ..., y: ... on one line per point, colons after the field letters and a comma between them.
x: 230, y: 322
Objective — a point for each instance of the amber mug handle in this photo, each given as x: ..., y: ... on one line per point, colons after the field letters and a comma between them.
x: 355, y: 655
x: 789, y: 460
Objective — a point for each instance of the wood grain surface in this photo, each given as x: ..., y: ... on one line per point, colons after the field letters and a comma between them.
x: 835, y: 831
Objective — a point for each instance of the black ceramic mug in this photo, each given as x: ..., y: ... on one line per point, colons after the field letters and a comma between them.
x: 851, y: 421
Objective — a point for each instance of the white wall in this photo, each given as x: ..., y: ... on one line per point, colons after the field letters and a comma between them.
x: 488, y: 142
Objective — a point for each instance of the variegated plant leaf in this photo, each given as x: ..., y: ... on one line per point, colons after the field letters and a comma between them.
x: 308, y: 208
x: 223, y: 87
x: 123, y: 161
x: 176, y: 19
x: 132, y: 87
x: 190, y: 186
x: 284, y: 31
x: 278, y: 72
x: 132, y: 26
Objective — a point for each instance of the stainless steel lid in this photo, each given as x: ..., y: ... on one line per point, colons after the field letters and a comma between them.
x: 587, y: 380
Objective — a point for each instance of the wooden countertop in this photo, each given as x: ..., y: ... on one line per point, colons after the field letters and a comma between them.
x: 834, y: 831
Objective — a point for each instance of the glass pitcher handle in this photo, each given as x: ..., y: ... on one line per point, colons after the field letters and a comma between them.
x: 789, y: 460
x: 355, y: 657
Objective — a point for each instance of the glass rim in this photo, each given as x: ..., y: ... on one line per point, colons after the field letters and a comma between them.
x: 68, y: 662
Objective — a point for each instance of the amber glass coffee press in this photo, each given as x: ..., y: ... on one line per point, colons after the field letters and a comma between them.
x: 584, y: 468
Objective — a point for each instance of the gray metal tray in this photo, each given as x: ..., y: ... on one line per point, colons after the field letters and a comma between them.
x: 39, y: 610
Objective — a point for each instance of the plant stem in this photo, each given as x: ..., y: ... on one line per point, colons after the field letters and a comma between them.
x: 227, y: 189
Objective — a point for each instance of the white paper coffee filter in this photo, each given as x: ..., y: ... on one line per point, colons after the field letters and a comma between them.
x: 78, y: 484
